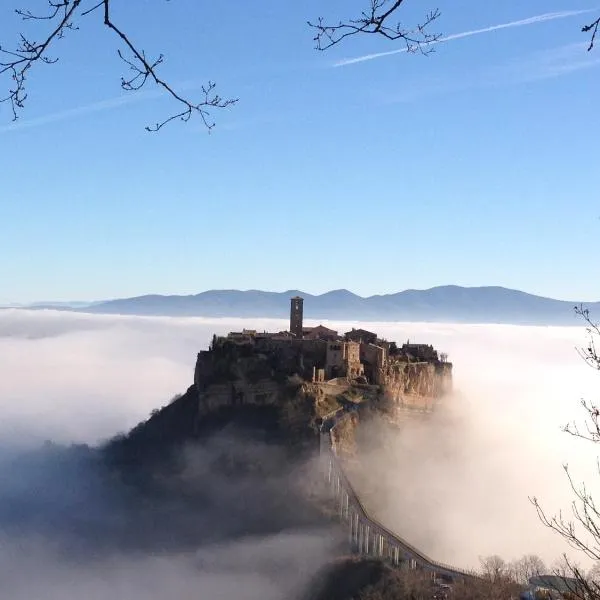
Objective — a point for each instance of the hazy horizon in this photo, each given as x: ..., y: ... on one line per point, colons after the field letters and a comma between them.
x: 12, y: 303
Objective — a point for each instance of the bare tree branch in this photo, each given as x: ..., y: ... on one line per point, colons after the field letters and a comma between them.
x: 28, y: 52
x: 593, y: 27
x: 376, y: 20
x: 582, y: 529
x: 62, y: 15
x: 589, y: 354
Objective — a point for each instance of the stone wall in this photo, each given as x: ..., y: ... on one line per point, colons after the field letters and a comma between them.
x: 354, y: 367
x: 373, y: 358
x: 334, y: 363
x: 258, y: 360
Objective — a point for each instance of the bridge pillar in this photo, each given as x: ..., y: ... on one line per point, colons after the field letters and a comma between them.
x: 361, y: 537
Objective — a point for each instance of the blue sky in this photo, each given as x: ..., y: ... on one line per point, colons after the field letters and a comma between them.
x: 475, y: 165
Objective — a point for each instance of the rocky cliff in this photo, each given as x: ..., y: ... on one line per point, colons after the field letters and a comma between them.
x: 268, y: 391
x: 416, y: 386
x: 235, y: 376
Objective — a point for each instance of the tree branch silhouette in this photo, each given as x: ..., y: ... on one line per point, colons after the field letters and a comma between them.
x: 377, y: 20
x: 581, y: 529
x: 593, y: 27
x: 63, y: 14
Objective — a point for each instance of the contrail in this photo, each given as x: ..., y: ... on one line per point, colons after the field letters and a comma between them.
x: 552, y: 16
x: 94, y: 107
x: 70, y: 113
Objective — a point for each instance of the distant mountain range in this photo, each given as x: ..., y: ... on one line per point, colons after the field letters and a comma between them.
x: 442, y: 304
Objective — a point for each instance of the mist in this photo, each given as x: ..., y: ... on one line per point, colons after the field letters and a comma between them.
x: 456, y: 484
x: 71, y: 528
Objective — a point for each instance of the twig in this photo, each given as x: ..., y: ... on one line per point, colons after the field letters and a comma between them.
x: 63, y: 13
x: 376, y: 21
x: 593, y: 27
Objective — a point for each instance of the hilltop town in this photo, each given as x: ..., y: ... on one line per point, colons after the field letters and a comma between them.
x: 357, y: 354
x: 250, y: 367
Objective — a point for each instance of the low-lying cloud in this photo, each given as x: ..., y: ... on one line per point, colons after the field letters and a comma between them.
x: 268, y: 568
x: 70, y: 528
x: 457, y: 484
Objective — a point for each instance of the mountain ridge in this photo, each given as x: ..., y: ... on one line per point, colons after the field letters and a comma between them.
x: 447, y: 303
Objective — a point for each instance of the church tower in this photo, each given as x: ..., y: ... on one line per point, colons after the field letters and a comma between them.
x: 296, y: 315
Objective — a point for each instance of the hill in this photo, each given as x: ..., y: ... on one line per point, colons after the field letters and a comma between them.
x: 441, y: 304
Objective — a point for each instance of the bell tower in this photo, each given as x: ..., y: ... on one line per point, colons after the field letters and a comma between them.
x: 296, y: 316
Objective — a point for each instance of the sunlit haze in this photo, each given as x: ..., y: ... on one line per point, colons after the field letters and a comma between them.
x: 458, y: 483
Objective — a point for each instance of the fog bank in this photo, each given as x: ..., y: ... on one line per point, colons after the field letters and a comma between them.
x: 457, y: 484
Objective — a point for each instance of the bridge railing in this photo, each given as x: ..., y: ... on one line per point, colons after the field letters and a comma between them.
x: 368, y: 536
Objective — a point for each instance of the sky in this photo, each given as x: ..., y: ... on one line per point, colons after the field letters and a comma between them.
x: 362, y: 167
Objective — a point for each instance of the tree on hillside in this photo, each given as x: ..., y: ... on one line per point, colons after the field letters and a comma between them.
x: 378, y: 18
x: 528, y: 566
x: 494, y: 581
x: 582, y: 528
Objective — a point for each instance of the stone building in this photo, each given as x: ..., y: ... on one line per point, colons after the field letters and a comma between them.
x: 361, y: 335
x: 424, y: 352
x: 374, y: 359
x: 319, y: 354
x: 320, y: 332
x: 343, y: 360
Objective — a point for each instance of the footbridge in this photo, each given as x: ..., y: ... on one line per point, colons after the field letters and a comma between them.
x: 367, y: 536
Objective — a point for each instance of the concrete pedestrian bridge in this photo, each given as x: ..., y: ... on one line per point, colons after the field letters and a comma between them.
x: 367, y: 536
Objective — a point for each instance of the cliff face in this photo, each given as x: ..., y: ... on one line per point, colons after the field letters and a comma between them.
x: 233, y: 380
x: 238, y: 377
x: 419, y: 386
